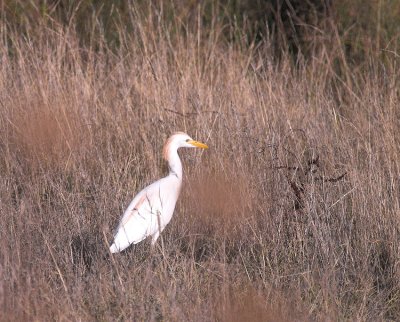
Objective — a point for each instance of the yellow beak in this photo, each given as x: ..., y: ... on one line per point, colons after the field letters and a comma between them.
x: 198, y: 144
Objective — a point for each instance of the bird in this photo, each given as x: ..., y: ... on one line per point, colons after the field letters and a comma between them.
x: 152, y: 208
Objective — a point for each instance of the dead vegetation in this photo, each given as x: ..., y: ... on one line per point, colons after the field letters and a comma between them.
x: 292, y: 214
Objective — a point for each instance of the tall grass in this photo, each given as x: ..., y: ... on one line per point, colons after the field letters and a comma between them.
x: 292, y: 214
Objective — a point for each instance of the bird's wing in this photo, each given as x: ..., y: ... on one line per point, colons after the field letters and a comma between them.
x: 141, y: 218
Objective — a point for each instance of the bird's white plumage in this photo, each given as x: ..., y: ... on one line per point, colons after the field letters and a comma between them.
x: 152, y: 208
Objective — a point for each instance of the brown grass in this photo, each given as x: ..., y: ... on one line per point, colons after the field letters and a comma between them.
x: 267, y: 227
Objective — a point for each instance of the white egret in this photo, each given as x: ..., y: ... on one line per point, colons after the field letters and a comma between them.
x: 152, y: 208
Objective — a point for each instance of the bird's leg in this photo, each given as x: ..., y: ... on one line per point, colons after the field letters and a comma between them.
x: 154, y: 238
x: 158, y: 233
x: 153, y: 246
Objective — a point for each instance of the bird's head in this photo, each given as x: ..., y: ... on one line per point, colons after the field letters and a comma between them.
x: 181, y: 140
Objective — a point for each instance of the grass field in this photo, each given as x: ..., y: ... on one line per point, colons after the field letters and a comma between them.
x: 291, y: 215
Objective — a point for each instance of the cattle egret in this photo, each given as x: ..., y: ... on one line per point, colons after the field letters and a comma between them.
x: 152, y: 208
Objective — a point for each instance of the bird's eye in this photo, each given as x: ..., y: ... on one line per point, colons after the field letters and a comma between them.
x: 187, y: 140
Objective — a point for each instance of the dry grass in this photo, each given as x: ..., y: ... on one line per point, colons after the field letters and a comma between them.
x: 267, y: 227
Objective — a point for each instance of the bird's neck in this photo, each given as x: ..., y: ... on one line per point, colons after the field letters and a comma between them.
x: 174, y: 164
